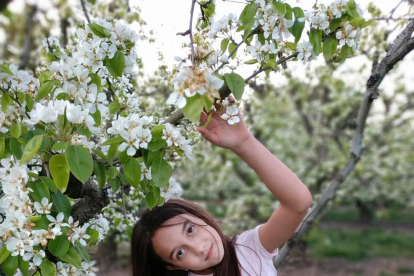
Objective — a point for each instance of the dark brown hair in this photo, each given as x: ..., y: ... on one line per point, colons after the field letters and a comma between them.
x: 145, y: 262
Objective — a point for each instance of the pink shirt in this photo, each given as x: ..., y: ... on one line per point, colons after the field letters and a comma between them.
x: 253, y: 258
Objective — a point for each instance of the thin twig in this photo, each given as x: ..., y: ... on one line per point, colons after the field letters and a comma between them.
x: 237, y: 46
x: 268, y: 67
x: 85, y: 11
x: 18, y: 103
x: 191, y: 31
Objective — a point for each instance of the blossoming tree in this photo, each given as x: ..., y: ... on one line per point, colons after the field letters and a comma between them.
x: 74, y: 137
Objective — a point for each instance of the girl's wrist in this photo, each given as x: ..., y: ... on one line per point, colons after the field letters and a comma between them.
x: 246, y: 146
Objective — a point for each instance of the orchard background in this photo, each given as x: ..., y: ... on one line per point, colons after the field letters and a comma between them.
x: 98, y: 117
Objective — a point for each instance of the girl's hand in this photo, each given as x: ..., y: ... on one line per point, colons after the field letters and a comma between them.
x: 220, y: 133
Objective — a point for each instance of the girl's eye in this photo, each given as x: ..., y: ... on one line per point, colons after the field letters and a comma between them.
x: 180, y: 253
x: 191, y: 229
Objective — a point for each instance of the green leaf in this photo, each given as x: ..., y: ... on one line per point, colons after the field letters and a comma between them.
x: 45, y: 76
x: 236, y: 84
x: 151, y: 156
x: 356, y: 22
x: 29, y: 102
x: 112, y: 152
x: 99, y: 153
x: 156, y: 145
x: 156, y: 132
x: 132, y: 172
x: 116, y: 64
x: 5, y: 101
x: 40, y: 190
x: 62, y: 203
x: 335, y: 24
x: 59, y: 146
x: 42, y: 223
x: 80, y: 162
x: 345, y: 51
x: 60, y: 171
x: 6, y: 69
x: 329, y: 48
x: 31, y: 148
x: 232, y: 46
x: 207, y: 102
x: 83, y: 253
x: 72, y: 257
x: 4, y: 253
x: 2, y: 147
x: 208, y: 119
x: 288, y: 14
x: 49, y: 183
x: 96, y: 80
x: 123, y: 156
x: 60, y: 245
x: 367, y: 23
x: 94, y: 236
x: 113, y: 140
x: 192, y: 110
x: 114, y: 107
x: 351, y: 9
x: 100, y: 172
x: 248, y: 13
x: 97, y: 117
x: 16, y: 130
x: 224, y: 44
x: 280, y: 7
x: 45, y: 89
x: 111, y: 172
x: 161, y: 172
x: 114, y: 184
x: 16, y: 148
x: 252, y: 61
x: 47, y: 268
x: 98, y: 30
x: 291, y: 45
x: 150, y: 200
x: 315, y: 38
x: 297, y: 29
x: 10, y: 265
x: 23, y: 266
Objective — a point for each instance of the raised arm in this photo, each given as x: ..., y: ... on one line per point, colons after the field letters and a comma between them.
x: 294, y: 197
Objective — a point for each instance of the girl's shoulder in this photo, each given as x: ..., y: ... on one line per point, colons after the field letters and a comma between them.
x: 253, y: 258
x: 248, y: 243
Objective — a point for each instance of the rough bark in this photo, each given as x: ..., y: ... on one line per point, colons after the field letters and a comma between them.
x: 92, y: 202
x: 396, y: 51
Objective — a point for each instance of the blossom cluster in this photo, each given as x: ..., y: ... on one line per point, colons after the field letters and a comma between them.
x: 17, y: 230
x: 191, y: 80
x: 172, y: 135
x: 231, y: 111
x: 80, y: 92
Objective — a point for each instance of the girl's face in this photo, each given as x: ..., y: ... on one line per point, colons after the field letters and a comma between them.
x: 188, y: 243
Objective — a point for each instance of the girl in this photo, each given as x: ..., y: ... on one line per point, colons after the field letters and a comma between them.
x: 181, y: 238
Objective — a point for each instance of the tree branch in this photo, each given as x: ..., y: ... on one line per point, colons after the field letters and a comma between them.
x: 85, y: 11
x: 24, y: 59
x: 402, y: 45
x: 191, y: 31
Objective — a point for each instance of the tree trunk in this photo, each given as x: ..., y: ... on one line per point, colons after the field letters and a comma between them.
x: 366, y: 213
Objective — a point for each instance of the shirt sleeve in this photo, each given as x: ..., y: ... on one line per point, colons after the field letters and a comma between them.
x: 251, y: 239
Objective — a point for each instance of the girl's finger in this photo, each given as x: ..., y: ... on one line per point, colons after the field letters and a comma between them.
x: 203, y: 118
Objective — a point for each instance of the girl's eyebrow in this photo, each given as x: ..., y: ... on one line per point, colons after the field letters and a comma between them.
x: 186, y: 222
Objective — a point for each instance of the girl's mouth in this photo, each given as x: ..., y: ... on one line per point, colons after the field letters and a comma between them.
x: 210, y: 252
